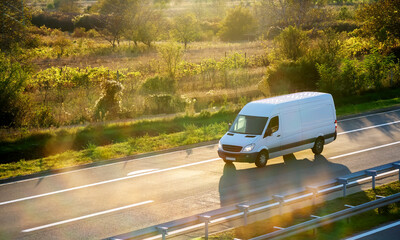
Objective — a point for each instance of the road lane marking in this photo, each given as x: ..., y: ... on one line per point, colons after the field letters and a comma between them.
x: 87, y: 216
x: 107, y: 181
x: 365, y: 150
x: 107, y: 165
x: 141, y: 171
x: 110, y: 164
x: 374, y: 231
x: 366, y: 128
x: 186, y: 165
x: 369, y: 115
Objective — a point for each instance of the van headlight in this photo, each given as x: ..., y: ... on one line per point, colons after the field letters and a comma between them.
x: 249, y: 147
x: 219, y: 145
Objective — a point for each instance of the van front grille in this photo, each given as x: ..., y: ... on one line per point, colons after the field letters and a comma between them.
x: 232, y: 148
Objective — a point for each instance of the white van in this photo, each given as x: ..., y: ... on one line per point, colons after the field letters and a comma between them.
x: 277, y: 126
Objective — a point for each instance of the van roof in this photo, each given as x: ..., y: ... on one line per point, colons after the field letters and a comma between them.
x: 264, y: 107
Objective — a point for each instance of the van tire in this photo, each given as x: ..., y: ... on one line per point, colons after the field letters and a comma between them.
x: 318, y: 146
x: 262, y: 159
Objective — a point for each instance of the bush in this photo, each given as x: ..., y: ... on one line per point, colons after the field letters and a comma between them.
x: 292, y: 43
x: 54, y: 20
x: 289, y: 76
x: 13, y: 103
x: 109, y: 104
x: 238, y: 25
x: 88, y: 21
x: 158, y: 85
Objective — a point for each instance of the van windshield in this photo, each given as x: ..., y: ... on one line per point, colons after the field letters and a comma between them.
x: 249, y: 125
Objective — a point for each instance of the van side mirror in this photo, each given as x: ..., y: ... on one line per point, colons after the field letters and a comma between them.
x: 229, y: 125
x: 268, y: 132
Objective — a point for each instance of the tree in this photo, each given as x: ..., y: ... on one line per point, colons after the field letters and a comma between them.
x: 171, y: 53
x: 145, y: 25
x: 237, y: 25
x: 292, y: 43
x: 115, y: 16
x: 13, y: 77
x: 14, y: 19
x: 381, y: 19
x: 186, y: 28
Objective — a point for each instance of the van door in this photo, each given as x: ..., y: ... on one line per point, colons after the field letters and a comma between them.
x: 272, y: 137
x: 291, y: 138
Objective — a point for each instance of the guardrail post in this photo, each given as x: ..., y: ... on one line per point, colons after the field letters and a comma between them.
x: 314, y: 229
x: 348, y: 206
x: 343, y: 181
x: 281, y: 201
x: 314, y: 191
x: 245, y: 209
x: 373, y: 174
x: 163, y: 231
x: 397, y: 166
x: 206, y: 220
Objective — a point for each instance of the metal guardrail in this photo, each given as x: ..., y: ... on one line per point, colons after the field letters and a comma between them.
x: 321, y: 221
x: 244, y: 210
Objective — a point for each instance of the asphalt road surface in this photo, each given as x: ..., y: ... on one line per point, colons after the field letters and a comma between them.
x: 117, y: 198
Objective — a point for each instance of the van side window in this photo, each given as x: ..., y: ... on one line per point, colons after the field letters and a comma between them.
x: 274, y: 124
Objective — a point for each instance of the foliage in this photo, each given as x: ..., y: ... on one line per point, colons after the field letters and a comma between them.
x: 292, y: 43
x: 88, y: 21
x: 14, y: 18
x: 353, y: 77
x: 171, y: 53
x: 291, y: 76
x: 109, y: 104
x: 13, y: 103
x: 158, y: 85
x: 145, y: 25
x: 238, y: 25
x: 114, y: 16
x: 55, y: 20
x: 381, y: 19
x: 66, y: 6
x: 186, y: 28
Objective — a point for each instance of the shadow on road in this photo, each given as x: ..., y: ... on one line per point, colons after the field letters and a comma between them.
x: 237, y: 186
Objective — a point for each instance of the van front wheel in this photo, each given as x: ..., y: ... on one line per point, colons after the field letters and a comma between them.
x: 318, y: 146
x: 262, y: 159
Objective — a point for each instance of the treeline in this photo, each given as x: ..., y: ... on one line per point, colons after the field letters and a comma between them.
x: 341, y: 49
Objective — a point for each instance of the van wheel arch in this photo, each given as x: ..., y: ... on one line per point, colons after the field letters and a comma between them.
x: 318, y: 145
x: 262, y: 158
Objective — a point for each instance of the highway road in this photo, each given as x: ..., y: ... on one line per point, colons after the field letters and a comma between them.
x: 112, y: 199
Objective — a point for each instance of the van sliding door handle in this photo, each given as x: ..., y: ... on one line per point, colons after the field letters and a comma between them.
x: 278, y: 136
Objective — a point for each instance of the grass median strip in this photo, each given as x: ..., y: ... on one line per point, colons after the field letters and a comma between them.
x: 337, y: 230
x: 35, y: 152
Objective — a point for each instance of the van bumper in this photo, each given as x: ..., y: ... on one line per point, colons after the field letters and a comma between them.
x: 239, y: 157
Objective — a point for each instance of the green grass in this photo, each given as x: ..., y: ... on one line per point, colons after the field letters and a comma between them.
x: 337, y: 230
x: 31, y: 152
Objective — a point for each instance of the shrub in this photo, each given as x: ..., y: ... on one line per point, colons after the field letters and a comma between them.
x: 61, y: 21
x: 88, y: 21
x: 292, y: 43
x: 158, y: 85
x: 171, y: 53
x: 13, y: 103
x: 289, y: 76
x: 109, y: 104
x: 239, y: 24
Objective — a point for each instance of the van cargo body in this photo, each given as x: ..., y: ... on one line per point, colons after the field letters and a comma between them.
x: 278, y: 126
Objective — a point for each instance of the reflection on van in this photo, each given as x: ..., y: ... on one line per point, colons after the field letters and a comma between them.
x: 277, y: 126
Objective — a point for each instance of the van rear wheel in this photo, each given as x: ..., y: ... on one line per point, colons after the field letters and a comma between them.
x: 262, y: 159
x: 318, y: 146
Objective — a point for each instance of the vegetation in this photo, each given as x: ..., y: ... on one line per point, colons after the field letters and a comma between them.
x: 33, y: 152
x: 337, y: 230
x: 65, y: 62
